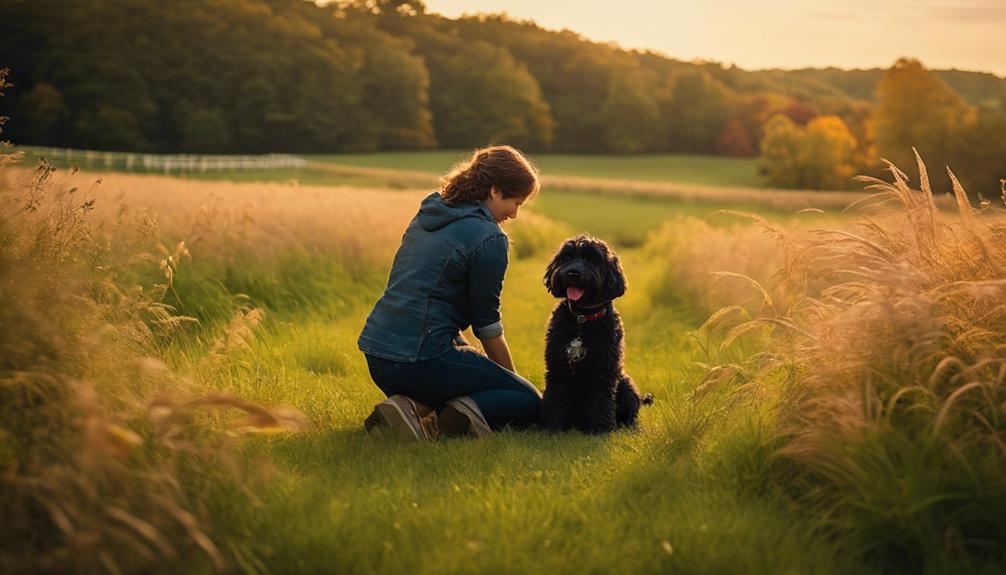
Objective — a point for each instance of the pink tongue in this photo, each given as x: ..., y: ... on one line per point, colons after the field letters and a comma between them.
x: 574, y: 293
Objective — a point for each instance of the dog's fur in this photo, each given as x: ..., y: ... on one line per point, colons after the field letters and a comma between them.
x: 593, y: 394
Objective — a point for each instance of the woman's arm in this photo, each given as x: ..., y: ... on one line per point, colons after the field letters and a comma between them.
x: 497, y: 350
x: 485, y: 283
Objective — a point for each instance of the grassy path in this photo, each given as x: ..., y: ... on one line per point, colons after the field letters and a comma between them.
x: 688, y: 491
x: 679, y: 494
x: 695, y: 489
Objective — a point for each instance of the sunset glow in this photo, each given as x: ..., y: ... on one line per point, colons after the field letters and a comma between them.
x: 963, y: 34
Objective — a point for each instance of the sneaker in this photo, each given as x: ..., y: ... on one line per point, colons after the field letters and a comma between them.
x: 461, y: 417
x: 398, y: 413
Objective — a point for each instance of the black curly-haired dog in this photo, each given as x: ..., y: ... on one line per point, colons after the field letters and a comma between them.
x: 585, y: 385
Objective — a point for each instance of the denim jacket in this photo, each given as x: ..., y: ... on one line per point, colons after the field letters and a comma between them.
x: 447, y: 275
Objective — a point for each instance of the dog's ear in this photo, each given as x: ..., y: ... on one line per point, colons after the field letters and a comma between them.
x: 550, y: 271
x: 614, y: 281
x: 554, y: 264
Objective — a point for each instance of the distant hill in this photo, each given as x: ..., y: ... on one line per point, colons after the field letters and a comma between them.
x: 288, y: 75
x: 978, y: 88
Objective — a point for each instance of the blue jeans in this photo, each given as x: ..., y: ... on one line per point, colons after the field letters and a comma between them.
x: 504, y: 397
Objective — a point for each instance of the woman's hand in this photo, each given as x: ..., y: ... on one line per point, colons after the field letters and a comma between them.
x: 460, y: 341
x: 498, y: 351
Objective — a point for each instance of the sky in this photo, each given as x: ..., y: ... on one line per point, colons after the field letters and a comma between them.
x: 758, y: 34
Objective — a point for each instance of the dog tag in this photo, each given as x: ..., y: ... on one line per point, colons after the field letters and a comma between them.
x: 575, y: 351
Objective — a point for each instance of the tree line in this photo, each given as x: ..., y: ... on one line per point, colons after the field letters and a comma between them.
x: 249, y: 76
x: 914, y: 108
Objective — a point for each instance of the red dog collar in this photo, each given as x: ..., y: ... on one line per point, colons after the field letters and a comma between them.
x: 591, y: 317
x: 581, y: 318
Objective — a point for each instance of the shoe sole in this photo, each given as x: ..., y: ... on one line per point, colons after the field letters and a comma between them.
x: 400, y: 422
x: 459, y: 414
x: 373, y: 420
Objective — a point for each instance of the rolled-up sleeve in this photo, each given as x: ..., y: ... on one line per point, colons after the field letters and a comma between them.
x: 487, y: 267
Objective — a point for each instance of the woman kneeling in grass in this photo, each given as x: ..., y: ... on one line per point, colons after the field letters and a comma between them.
x: 447, y: 275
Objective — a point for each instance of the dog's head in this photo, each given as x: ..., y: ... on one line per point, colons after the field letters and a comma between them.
x: 585, y: 270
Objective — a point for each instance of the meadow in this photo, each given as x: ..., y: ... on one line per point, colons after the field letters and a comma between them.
x: 689, y: 169
x: 825, y: 401
x: 688, y: 178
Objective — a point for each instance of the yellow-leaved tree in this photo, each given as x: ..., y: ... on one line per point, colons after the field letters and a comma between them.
x: 818, y: 156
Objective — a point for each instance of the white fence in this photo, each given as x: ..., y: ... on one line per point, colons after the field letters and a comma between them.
x: 165, y: 163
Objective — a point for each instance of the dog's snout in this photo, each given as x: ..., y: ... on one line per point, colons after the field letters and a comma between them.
x: 572, y: 274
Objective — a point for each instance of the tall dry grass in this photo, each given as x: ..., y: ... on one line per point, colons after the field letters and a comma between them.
x: 107, y: 457
x: 104, y: 464
x: 706, y: 266
x: 220, y: 220
x: 889, y: 360
x: 278, y: 244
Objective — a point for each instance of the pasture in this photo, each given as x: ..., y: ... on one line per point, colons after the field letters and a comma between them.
x: 277, y: 279
x: 689, y: 169
x: 337, y: 169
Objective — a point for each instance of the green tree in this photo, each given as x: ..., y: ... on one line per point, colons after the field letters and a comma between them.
x: 981, y: 155
x: 293, y: 75
x: 629, y: 114
x: 397, y: 88
x: 108, y: 128
x: 696, y: 113
x: 915, y: 108
x: 204, y: 131
x: 44, y: 112
x: 256, y: 112
x: 580, y: 89
x: 483, y: 96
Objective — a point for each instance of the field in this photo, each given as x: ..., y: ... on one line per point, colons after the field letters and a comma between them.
x: 277, y: 278
x: 413, y: 169
x: 707, y: 170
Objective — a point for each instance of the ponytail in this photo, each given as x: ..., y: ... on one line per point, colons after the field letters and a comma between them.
x: 504, y: 167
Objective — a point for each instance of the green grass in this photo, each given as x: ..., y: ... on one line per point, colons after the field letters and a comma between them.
x: 434, y: 162
x: 689, y: 491
x: 687, y: 169
x: 626, y: 221
x: 700, y: 170
x: 518, y: 502
x: 691, y: 169
x: 308, y: 176
x: 696, y: 489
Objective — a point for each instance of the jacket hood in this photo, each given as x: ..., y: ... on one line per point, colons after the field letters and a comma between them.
x: 435, y: 214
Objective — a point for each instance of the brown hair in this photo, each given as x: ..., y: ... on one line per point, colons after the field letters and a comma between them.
x: 505, y: 167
